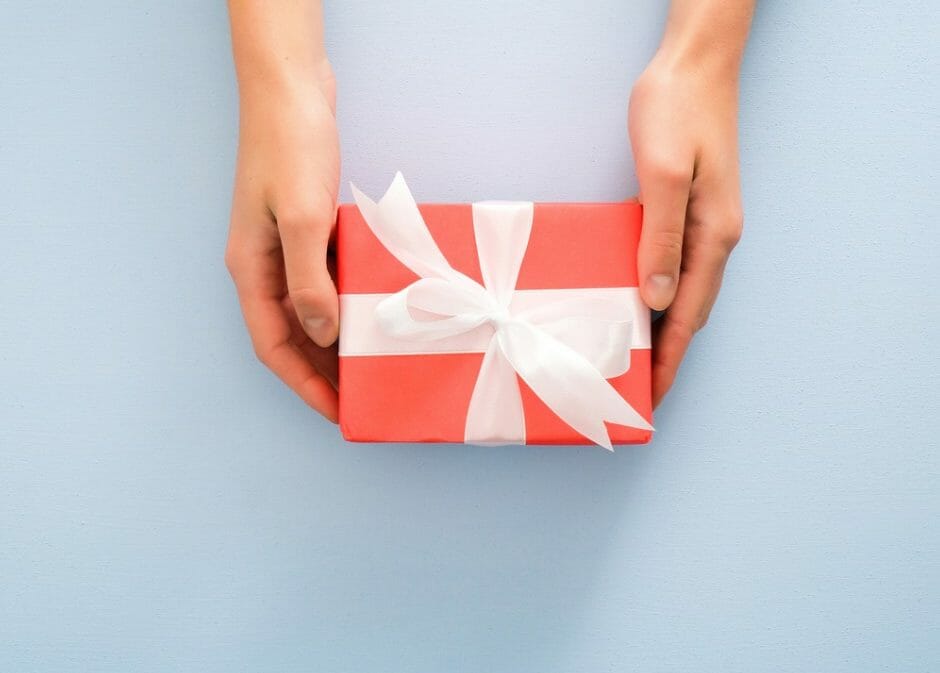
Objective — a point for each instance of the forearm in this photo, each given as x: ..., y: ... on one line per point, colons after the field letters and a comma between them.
x: 277, y: 44
x: 707, y: 34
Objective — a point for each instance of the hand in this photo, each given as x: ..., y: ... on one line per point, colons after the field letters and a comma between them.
x: 683, y: 128
x: 283, y: 212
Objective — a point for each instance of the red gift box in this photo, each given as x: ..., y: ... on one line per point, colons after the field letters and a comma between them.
x: 394, y: 390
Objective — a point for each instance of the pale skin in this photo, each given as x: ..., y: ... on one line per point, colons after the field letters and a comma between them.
x: 683, y: 128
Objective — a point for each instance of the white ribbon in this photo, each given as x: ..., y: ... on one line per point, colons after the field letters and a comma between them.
x: 563, y: 344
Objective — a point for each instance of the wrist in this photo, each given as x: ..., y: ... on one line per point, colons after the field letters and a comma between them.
x: 706, y: 37
x: 273, y: 78
x: 686, y: 54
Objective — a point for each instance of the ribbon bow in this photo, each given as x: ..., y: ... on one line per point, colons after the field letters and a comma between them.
x: 564, y: 347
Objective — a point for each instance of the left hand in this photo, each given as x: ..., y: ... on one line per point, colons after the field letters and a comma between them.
x: 283, y: 212
x: 683, y: 129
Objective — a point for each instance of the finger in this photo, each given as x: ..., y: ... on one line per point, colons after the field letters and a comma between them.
x: 703, y: 266
x: 305, y: 235
x: 270, y: 333
x: 324, y: 360
x: 664, y: 191
x: 255, y: 272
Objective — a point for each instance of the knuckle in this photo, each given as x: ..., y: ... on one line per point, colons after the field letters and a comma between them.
x: 670, y: 171
x: 724, y: 230
x: 686, y: 327
x: 304, y: 298
x: 310, y: 209
x: 263, y: 353
x: 234, y: 260
x: 730, y: 238
x: 732, y: 229
x: 301, y: 216
x: 725, y: 238
x: 667, y: 244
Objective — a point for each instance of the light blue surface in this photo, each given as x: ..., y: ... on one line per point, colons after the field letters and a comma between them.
x: 166, y: 505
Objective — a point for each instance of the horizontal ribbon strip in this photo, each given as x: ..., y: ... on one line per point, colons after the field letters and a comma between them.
x: 365, y: 337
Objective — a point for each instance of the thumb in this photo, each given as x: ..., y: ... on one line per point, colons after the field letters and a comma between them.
x: 305, y: 236
x: 664, y: 195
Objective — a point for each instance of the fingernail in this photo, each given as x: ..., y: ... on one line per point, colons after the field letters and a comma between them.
x: 660, y: 288
x: 320, y: 330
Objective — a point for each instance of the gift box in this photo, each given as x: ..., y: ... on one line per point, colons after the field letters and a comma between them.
x: 491, y: 323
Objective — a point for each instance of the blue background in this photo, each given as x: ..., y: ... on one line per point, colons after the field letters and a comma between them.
x: 166, y: 505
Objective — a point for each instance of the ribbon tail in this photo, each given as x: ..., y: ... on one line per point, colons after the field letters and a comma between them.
x: 567, y: 383
x: 495, y: 415
x: 614, y: 409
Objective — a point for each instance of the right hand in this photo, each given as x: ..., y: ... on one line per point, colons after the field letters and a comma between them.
x: 283, y: 214
x: 683, y: 129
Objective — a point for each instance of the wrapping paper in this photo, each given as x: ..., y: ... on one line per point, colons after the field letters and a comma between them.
x: 449, y: 311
